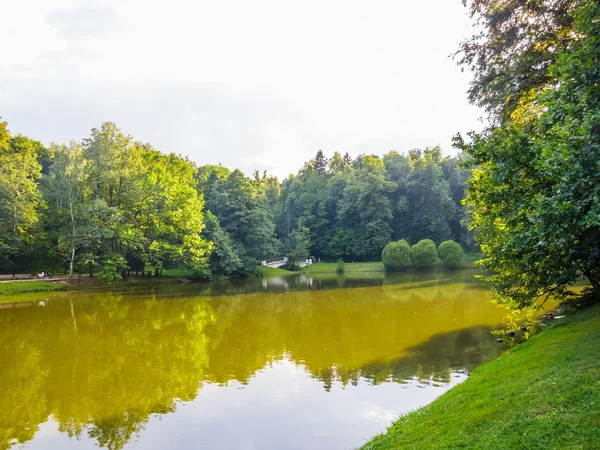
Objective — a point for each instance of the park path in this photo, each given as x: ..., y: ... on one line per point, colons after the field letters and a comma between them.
x: 26, y: 277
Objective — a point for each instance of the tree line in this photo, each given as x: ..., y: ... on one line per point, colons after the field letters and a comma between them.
x: 113, y: 206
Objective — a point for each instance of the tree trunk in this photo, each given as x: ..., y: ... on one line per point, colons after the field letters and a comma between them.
x: 71, y: 263
x: 73, y: 238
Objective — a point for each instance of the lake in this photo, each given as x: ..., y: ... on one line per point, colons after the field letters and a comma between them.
x: 301, y: 362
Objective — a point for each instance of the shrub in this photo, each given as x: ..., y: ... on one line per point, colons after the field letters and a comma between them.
x: 341, y: 266
x: 396, y: 256
x: 450, y: 253
x: 423, y: 253
x: 111, y: 268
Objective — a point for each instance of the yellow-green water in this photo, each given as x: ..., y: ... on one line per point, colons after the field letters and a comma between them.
x: 280, y: 363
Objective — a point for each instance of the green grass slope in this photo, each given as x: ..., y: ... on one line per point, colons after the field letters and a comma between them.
x: 268, y: 272
x: 543, y: 394
x: 349, y: 267
x: 23, y: 287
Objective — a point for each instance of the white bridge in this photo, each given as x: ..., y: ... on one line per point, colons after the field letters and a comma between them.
x: 283, y: 260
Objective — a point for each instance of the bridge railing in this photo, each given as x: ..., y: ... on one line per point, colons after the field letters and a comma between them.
x: 273, y: 260
x: 278, y: 262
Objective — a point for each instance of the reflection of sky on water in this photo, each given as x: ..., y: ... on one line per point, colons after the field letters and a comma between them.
x: 262, y: 365
x: 270, y: 414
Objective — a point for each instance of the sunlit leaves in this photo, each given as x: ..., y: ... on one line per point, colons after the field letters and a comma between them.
x: 535, y: 194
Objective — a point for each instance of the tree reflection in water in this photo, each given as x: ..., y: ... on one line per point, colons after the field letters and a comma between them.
x: 103, y: 363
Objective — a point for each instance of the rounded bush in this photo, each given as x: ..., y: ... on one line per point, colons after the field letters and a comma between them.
x: 423, y: 253
x: 450, y: 253
x: 396, y: 256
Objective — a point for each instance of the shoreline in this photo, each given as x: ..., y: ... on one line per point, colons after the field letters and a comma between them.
x: 543, y: 393
x: 23, y: 285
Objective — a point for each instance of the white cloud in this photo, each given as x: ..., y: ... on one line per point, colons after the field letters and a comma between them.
x: 255, y: 85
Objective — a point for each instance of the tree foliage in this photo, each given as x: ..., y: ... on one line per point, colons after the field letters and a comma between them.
x: 535, y: 194
x: 244, y: 208
x: 511, y: 57
x: 299, y: 244
x: 20, y: 199
x: 82, y: 204
x: 123, y: 206
x: 450, y: 253
x: 355, y: 208
x: 423, y: 253
x: 223, y: 260
x: 396, y: 256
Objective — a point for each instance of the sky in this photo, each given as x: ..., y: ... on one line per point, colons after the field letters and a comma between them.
x: 254, y: 85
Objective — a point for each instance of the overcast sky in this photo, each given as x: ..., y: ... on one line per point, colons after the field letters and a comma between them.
x: 259, y: 84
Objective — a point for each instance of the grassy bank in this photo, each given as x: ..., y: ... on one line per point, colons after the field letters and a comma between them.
x: 272, y: 272
x: 542, y: 394
x: 181, y: 272
x: 192, y: 274
x: 23, y: 287
x: 467, y: 262
x: 348, y: 268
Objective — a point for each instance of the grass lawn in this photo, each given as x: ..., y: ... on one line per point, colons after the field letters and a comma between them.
x: 180, y: 272
x: 272, y: 272
x: 467, y: 262
x: 23, y: 287
x: 349, y: 267
x: 543, y: 394
x: 472, y: 256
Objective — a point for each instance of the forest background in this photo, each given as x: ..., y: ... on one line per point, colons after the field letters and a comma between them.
x: 113, y: 206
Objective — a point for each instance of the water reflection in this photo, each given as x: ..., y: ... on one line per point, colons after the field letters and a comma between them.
x: 103, y: 365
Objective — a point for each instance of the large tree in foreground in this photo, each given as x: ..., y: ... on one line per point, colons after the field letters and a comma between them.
x: 535, y: 193
x: 511, y: 55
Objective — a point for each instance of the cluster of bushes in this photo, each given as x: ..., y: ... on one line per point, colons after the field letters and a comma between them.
x: 399, y: 255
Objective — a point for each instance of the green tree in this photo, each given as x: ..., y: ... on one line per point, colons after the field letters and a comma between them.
x: 423, y: 253
x: 244, y: 212
x: 337, y: 162
x: 364, y: 211
x: 170, y: 215
x: 224, y: 260
x: 307, y: 200
x: 456, y: 174
x: 113, y: 266
x: 20, y: 198
x: 113, y: 199
x: 298, y: 245
x: 535, y: 193
x: 112, y: 164
x: 65, y: 192
x: 430, y: 206
x: 512, y: 55
x: 320, y: 162
x: 396, y: 256
x: 450, y: 253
